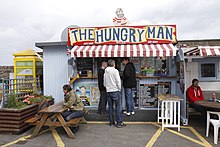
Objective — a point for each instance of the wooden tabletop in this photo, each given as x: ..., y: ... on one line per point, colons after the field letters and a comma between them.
x: 168, y: 97
x: 55, y: 108
x: 208, y: 104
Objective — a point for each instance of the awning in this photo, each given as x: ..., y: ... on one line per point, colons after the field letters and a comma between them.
x: 210, y: 51
x: 134, y: 50
x: 203, y: 51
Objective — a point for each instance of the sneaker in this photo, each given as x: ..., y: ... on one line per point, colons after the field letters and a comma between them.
x: 128, y: 114
x: 122, y: 125
x: 133, y: 113
x: 125, y: 112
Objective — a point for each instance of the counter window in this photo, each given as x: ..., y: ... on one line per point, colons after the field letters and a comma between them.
x: 154, y: 66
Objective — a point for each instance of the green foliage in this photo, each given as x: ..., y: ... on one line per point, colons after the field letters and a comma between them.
x: 35, y: 100
x: 20, y: 105
x: 11, y: 101
x: 47, y: 97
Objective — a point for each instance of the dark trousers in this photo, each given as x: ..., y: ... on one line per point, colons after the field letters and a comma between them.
x: 199, y: 109
x: 69, y: 114
x: 114, y: 97
x: 102, y: 101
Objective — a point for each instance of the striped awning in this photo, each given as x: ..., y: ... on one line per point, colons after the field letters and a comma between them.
x: 137, y: 50
x: 203, y: 51
x: 209, y: 51
x: 191, y: 52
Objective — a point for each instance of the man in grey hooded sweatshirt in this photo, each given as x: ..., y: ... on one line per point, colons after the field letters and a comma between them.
x: 112, y: 82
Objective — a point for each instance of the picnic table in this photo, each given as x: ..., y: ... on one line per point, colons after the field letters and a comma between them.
x: 209, y: 105
x: 52, y: 117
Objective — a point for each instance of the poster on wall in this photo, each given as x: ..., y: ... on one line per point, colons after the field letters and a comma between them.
x: 88, y: 93
x: 83, y: 92
x: 95, y: 95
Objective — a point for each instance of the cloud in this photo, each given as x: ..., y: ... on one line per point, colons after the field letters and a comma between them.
x: 25, y: 22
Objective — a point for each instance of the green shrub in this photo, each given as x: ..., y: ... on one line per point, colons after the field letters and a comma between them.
x: 11, y: 101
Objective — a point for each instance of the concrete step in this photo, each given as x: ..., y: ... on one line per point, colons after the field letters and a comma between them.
x: 140, y: 115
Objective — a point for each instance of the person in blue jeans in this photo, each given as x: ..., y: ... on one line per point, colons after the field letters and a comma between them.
x: 129, y: 84
x: 112, y: 82
x: 74, y: 104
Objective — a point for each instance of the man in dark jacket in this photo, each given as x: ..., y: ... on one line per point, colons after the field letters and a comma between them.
x: 102, y: 89
x: 129, y: 83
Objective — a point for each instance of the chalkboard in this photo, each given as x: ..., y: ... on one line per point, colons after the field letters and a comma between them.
x: 84, y: 64
x: 208, y: 70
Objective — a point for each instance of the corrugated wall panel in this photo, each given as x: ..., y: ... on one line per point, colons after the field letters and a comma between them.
x: 55, y: 71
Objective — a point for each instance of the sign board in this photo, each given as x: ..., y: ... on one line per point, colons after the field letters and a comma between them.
x: 151, y: 34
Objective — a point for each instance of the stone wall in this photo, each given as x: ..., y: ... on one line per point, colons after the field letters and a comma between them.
x: 5, y: 70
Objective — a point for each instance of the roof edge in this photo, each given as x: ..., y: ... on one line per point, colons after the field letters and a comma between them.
x: 43, y: 44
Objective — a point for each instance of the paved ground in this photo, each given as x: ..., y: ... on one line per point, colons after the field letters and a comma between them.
x: 99, y: 134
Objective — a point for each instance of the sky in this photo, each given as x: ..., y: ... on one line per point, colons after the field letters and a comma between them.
x: 25, y: 22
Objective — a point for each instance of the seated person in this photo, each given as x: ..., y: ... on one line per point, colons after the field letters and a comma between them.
x: 194, y: 93
x: 74, y: 104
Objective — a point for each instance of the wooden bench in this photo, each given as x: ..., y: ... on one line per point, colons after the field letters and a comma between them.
x: 32, y: 120
x: 191, y: 111
x: 75, y: 121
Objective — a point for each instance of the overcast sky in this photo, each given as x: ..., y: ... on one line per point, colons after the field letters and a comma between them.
x: 25, y: 22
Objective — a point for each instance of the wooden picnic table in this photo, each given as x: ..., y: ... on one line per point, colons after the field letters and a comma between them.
x: 209, y: 105
x: 54, y: 111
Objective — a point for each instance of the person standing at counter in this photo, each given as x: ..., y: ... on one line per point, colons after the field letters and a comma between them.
x: 112, y: 82
x: 102, y: 89
x: 129, y: 83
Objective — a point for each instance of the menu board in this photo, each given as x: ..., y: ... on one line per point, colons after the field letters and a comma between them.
x: 147, y: 95
x: 84, y: 64
x: 164, y: 87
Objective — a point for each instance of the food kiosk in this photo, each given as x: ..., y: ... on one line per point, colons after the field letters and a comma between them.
x: 151, y: 48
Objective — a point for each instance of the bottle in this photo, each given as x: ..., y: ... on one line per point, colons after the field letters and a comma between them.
x: 213, y: 97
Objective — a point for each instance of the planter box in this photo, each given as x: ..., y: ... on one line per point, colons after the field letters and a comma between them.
x: 13, y: 120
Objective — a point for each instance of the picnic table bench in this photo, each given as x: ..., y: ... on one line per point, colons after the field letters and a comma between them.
x: 52, y: 117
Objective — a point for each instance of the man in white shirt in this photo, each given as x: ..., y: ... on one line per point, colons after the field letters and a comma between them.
x: 112, y: 82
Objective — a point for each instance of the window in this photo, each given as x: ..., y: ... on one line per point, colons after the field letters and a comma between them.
x: 208, y: 70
